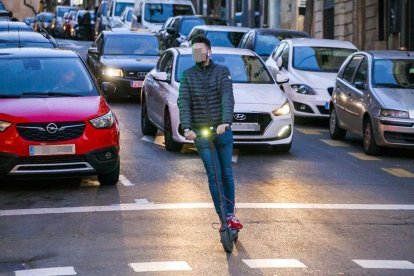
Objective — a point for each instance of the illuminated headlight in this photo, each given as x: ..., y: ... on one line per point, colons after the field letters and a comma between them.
x: 112, y: 72
x: 394, y: 113
x: 283, y: 110
x: 4, y: 125
x: 303, y: 89
x: 104, y: 121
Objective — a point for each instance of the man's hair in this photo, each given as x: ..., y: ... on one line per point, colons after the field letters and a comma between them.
x: 201, y: 39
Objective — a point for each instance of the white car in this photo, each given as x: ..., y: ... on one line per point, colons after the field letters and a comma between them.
x: 125, y: 20
x: 262, y: 112
x: 115, y: 9
x: 311, y: 65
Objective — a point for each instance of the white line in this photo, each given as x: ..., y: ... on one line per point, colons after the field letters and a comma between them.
x: 53, y: 271
x: 142, y: 201
x: 124, y: 181
x: 385, y: 264
x: 273, y: 263
x: 175, y: 206
x: 149, y: 139
x: 160, y: 266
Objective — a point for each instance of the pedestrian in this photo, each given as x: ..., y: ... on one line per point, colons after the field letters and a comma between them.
x: 87, y: 24
x: 206, y: 100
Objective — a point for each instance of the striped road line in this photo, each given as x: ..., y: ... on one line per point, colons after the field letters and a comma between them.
x: 160, y: 266
x: 363, y: 156
x: 52, y: 271
x: 385, y: 264
x: 124, y: 181
x: 398, y: 172
x: 273, y: 263
x: 308, y: 131
x: 335, y: 143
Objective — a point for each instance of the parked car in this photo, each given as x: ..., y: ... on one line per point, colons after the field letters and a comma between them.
x: 54, y: 120
x: 219, y: 36
x: 263, y: 41
x: 179, y: 27
x: 311, y: 66
x: 374, y: 98
x: 125, y: 20
x: 10, y: 26
x: 30, y: 21
x: 26, y: 39
x: 101, y: 19
x: 152, y: 14
x: 58, y: 21
x: 115, y: 9
x: 262, y: 113
x: 124, y: 59
x: 43, y: 20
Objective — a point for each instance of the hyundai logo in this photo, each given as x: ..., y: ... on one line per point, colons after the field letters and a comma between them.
x: 141, y: 74
x: 52, y: 128
x: 240, y: 117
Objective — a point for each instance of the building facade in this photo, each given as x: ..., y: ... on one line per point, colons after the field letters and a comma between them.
x: 22, y: 9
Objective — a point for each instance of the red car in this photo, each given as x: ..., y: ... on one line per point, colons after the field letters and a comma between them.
x: 54, y: 120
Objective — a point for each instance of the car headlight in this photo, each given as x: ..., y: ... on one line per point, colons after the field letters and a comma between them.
x: 4, y: 125
x: 104, y: 121
x: 112, y: 72
x: 303, y: 89
x: 283, y: 110
x: 394, y: 113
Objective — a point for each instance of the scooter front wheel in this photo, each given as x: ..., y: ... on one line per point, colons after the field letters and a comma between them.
x: 235, y: 235
x: 226, y: 237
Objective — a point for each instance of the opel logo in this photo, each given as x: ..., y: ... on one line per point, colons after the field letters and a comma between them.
x: 141, y: 74
x: 52, y: 128
x: 240, y: 117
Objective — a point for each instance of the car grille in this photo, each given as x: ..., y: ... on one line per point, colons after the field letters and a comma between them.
x: 51, y: 159
x: 322, y: 109
x: 39, y: 131
x: 398, y: 137
x: 330, y: 90
x: 135, y: 75
x: 264, y: 120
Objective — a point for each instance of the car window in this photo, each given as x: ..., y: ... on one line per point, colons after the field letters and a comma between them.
x: 243, y: 41
x: 278, y: 51
x: 361, y: 74
x: 393, y: 73
x: 285, y: 56
x: 195, y: 33
x: 132, y: 45
x: 349, y: 71
x: 159, y: 13
x: 224, y: 39
x: 249, y: 42
x: 162, y: 63
x: 120, y: 7
x: 265, y: 44
x: 243, y: 68
x: 319, y: 59
x: 99, y: 43
x: 188, y: 24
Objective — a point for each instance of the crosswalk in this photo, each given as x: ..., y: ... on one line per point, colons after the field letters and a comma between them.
x: 184, y: 266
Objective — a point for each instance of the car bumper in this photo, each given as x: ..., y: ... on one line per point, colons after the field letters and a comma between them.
x: 390, y: 132
x: 124, y: 87
x: 311, y: 105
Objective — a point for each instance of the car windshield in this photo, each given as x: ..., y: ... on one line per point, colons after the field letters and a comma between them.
x: 265, y: 44
x: 243, y: 69
x: 319, y: 59
x: 120, y: 7
x: 25, y: 44
x: 224, y: 39
x: 188, y: 24
x: 44, y: 77
x: 132, y: 45
x: 159, y: 13
x: 61, y: 11
x: 393, y: 73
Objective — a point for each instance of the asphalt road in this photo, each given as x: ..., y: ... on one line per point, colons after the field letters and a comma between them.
x: 322, y: 209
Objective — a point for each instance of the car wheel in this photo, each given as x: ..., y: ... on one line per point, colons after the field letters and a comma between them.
x: 109, y: 179
x: 147, y: 127
x: 282, y: 148
x: 170, y: 144
x: 370, y: 146
x: 336, y: 132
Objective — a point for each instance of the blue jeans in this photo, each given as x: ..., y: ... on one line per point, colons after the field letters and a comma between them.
x: 223, y: 152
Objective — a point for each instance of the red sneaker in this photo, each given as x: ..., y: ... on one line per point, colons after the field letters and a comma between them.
x: 234, y: 223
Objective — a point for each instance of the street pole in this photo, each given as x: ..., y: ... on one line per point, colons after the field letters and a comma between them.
x: 231, y: 11
x: 205, y: 4
x: 274, y: 13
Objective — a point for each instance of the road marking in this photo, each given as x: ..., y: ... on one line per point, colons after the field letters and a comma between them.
x: 176, y: 206
x: 53, y: 271
x: 160, y: 266
x: 308, y: 131
x: 148, y: 139
x: 124, y: 181
x: 142, y: 201
x: 363, y: 156
x: 398, y: 172
x: 334, y: 143
x: 273, y: 263
x: 385, y: 264
x: 235, y: 156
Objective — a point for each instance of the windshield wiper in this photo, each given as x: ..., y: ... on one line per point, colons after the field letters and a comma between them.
x: 389, y: 85
x: 51, y: 94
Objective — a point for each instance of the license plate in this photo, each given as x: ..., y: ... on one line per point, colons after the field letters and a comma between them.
x: 137, y: 84
x: 327, y: 105
x: 51, y: 150
x: 245, y: 127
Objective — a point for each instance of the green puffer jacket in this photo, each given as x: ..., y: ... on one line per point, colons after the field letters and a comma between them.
x: 206, y: 97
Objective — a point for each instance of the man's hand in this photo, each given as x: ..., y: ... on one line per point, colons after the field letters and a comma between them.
x: 190, y: 135
x: 222, y: 128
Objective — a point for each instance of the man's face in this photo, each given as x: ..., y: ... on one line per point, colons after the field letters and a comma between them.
x: 200, y: 52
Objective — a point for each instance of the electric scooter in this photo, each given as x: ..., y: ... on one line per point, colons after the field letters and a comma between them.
x: 228, y: 236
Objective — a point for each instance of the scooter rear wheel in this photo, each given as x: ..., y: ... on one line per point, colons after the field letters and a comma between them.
x: 226, y: 237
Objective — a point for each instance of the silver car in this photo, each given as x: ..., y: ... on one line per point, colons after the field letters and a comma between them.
x: 374, y: 98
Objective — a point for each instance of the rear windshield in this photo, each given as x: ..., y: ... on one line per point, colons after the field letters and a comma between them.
x: 159, y: 13
x: 188, y: 24
x: 393, y: 73
x: 319, y: 59
x: 61, y: 11
x: 265, y: 44
x: 243, y: 69
x: 44, y: 77
x: 132, y: 45
x: 224, y: 39
x: 120, y: 7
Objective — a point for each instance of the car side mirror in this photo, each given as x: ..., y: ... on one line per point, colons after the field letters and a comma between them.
x: 171, y: 31
x: 161, y: 76
x: 108, y: 88
x: 360, y: 85
x: 279, y: 62
x: 93, y: 51
x: 280, y: 79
